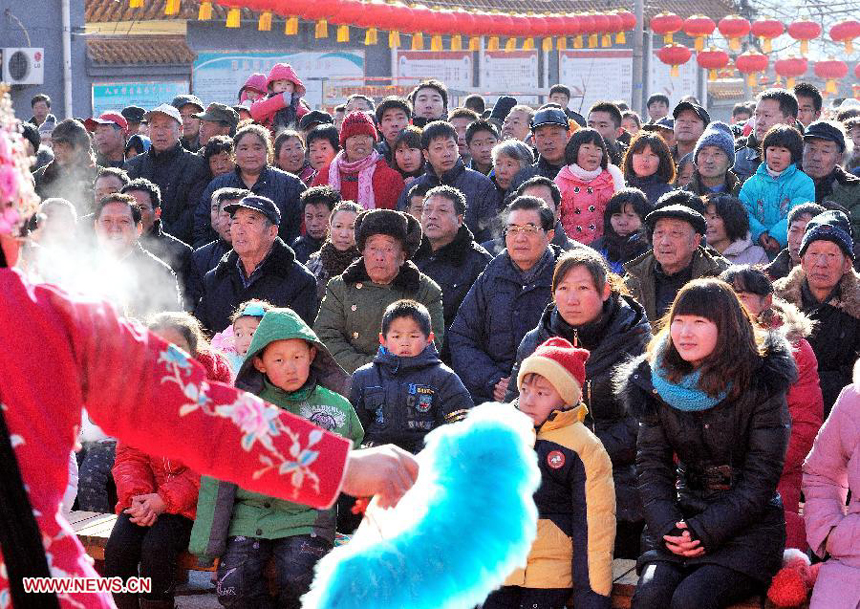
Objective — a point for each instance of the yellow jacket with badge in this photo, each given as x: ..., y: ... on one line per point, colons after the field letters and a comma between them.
x: 576, y: 506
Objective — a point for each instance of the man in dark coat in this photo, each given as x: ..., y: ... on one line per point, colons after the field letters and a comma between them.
x: 208, y: 256
x: 827, y: 289
x: 550, y: 133
x: 505, y: 302
x: 823, y: 151
x: 260, y: 266
x: 167, y: 248
x: 445, y: 167
x: 788, y: 258
x: 449, y: 254
x: 181, y: 175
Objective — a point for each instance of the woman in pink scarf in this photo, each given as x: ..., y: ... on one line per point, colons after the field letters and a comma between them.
x: 358, y: 171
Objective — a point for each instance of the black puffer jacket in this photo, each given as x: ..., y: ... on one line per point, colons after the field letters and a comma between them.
x: 279, y: 279
x: 178, y: 256
x: 620, y: 333
x: 181, y: 175
x: 716, y: 469
x: 208, y: 256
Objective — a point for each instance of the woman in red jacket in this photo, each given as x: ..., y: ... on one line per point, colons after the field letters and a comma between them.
x: 358, y: 171
x: 805, y: 404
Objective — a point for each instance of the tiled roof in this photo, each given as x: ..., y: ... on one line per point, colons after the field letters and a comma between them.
x: 118, y: 10
x: 139, y: 50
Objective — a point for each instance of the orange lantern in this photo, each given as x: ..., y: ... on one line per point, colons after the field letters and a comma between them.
x: 804, y: 30
x: 712, y: 59
x: 666, y: 23
x: 831, y: 70
x: 751, y: 63
x: 790, y: 68
x: 674, y: 55
x: 733, y: 28
x: 767, y: 30
x: 699, y: 27
x: 846, y: 31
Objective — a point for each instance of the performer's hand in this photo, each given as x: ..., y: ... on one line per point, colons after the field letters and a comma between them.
x: 386, y: 472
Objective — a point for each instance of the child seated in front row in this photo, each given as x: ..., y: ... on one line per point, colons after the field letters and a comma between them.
x: 234, y: 341
x: 576, y: 499
x: 288, y: 366
x: 406, y: 391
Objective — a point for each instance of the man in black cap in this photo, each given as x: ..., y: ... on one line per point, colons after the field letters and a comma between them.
x: 827, y: 289
x: 134, y: 117
x: 189, y: 107
x: 312, y: 119
x: 218, y: 119
x: 773, y: 107
x: 676, y: 258
x: 690, y: 122
x: 823, y: 151
x: 260, y: 265
x: 550, y: 132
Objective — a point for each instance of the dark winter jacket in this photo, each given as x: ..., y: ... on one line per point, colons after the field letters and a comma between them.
x: 747, y: 159
x: 842, y: 188
x: 541, y: 168
x: 717, y: 469
x: 178, y: 256
x: 618, y: 250
x: 496, y: 314
x: 75, y: 184
x: 836, y: 338
x: 652, y: 186
x: 620, y: 333
x: 482, y: 200
x: 400, y: 399
x: 304, y: 246
x: 181, y: 175
x: 642, y: 280
x: 732, y: 184
x: 455, y: 267
x: 559, y: 239
x: 278, y: 279
x: 207, y: 257
x: 281, y: 187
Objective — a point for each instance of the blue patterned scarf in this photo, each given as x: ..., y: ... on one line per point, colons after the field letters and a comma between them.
x: 685, y: 395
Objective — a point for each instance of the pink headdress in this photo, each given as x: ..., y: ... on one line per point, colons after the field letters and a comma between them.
x: 18, y: 200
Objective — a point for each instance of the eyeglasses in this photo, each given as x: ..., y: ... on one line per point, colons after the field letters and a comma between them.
x: 529, y: 230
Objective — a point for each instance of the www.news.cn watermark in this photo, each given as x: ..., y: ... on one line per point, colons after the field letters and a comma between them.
x: 87, y: 585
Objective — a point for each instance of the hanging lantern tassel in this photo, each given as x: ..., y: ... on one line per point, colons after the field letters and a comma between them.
x: 370, y: 37
x: 667, y: 38
x: 135, y: 3
x: 577, y: 42
x: 790, y: 83
x: 804, y: 48
x: 493, y: 43
x: 456, y: 42
x: 830, y: 87
x: 676, y: 71
x: 234, y: 17
x: 620, y: 38
x: 265, y: 22
x: 529, y: 44
x: 606, y: 41
x: 712, y: 75
x: 321, y: 29
x: 546, y: 45
x: 765, y: 45
x: 393, y: 39
x: 172, y: 7
x: 511, y: 44
x: 291, y: 28
x: 475, y: 43
x: 592, y: 41
x: 436, y: 42
x: 417, y: 41
x: 204, y: 13
x: 343, y: 33
x: 735, y: 44
x: 561, y: 43
x: 849, y: 47
x: 751, y: 79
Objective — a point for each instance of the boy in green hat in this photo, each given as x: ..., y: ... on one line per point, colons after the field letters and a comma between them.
x: 288, y: 366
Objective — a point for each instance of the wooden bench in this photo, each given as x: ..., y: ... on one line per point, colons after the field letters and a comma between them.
x: 93, y: 530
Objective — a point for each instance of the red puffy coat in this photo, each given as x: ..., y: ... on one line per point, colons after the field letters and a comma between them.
x: 387, y: 185
x: 136, y: 473
x: 806, y: 407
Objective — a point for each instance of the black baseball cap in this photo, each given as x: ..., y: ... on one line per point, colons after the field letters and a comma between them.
x: 822, y: 130
x: 219, y: 113
x: 133, y: 114
x: 314, y: 118
x: 550, y: 116
x: 183, y: 100
x: 264, y: 205
x: 700, y: 112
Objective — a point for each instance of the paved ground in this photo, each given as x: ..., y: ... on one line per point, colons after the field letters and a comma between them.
x: 198, y: 593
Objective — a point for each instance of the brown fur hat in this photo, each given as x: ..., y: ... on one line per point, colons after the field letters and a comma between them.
x: 396, y: 224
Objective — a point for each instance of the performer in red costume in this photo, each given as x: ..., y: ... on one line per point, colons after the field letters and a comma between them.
x: 58, y: 354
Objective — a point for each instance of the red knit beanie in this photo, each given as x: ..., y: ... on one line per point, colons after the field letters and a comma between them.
x: 357, y: 122
x: 561, y: 364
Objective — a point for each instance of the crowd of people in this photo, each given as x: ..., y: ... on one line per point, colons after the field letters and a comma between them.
x: 672, y: 300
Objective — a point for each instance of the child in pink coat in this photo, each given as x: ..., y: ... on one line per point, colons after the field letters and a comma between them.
x: 282, y: 108
x: 587, y: 182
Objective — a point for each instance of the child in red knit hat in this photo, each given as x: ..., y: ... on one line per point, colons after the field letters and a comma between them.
x: 576, y: 500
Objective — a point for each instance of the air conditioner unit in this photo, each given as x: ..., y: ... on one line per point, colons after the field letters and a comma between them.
x: 24, y: 66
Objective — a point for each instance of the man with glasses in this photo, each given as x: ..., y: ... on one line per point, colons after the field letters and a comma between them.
x: 506, y: 301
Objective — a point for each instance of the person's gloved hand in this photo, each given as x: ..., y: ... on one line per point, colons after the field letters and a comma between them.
x: 288, y: 97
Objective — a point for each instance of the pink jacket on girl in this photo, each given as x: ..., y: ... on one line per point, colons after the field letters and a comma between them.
x: 584, y: 196
x: 833, y: 524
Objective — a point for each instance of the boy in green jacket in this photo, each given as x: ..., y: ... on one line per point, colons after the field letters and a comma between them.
x: 288, y: 366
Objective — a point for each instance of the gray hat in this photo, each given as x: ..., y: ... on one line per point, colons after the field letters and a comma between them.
x: 166, y: 109
x: 678, y: 212
x: 717, y: 134
x: 549, y: 116
x: 183, y: 100
x: 824, y: 130
x: 219, y: 113
x: 264, y: 205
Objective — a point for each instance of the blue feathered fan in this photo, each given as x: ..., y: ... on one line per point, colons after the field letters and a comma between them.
x: 468, y: 522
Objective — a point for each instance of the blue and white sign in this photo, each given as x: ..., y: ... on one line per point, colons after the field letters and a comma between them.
x: 116, y: 96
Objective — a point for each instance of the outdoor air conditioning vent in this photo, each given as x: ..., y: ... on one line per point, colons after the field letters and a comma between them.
x: 24, y: 66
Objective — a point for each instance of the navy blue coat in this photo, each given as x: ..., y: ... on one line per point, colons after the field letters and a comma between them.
x: 496, y: 314
x: 208, y: 256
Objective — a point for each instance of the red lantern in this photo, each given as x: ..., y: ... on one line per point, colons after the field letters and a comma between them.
x: 804, y: 31
x: 751, y: 63
x: 831, y: 70
x: 586, y: 27
x: 666, y: 24
x: 602, y: 29
x: 767, y: 30
x: 733, y: 28
x: 712, y: 59
x: 790, y: 68
x: 846, y: 31
x: 699, y: 27
x: 674, y: 55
